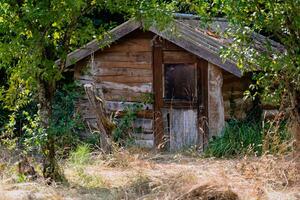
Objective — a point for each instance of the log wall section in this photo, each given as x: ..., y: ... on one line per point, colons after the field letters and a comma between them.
x: 123, y: 73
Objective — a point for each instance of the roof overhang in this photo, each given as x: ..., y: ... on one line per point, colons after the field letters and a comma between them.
x: 193, y: 41
x: 199, y: 44
x: 95, y: 45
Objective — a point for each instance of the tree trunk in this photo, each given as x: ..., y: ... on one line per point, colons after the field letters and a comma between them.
x: 294, y: 126
x: 295, y: 117
x: 51, y: 169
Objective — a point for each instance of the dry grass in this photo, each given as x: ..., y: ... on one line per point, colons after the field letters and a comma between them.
x: 138, y: 174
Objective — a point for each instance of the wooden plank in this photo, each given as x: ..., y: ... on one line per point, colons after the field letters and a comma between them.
x: 113, y: 105
x: 157, y: 89
x: 130, y: 44
x: 144, y: 143
x: 147, y: 114
x: 111, y: 64
x: 183, y: 128
x: 178, y: 57
x: 142, y: 136
x: 84, y: 82
x: 144, y: 57
x: 124, y: 79
x: 203, y: 104
x: 118, y: 71
x: 84, y: 77
x: 140, y: 34
x: 123, y: 95
x: 145, y: 124
x: 143, y: 87
x: 120, y: 106
x: 169, y: 46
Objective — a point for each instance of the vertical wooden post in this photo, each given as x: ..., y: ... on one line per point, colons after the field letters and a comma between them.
x: 157, y: 62
x: 203, y: 104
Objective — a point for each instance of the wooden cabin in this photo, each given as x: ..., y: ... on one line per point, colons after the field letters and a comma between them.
x: 193, y: 90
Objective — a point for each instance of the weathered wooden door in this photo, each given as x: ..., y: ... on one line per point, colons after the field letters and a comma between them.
x: 179, y: 82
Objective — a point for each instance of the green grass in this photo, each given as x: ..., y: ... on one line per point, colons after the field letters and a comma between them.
x: 81, y: 156
x: 238, y: 138
x: 250, y: 138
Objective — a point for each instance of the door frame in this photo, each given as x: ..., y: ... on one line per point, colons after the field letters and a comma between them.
x: 158, y: 45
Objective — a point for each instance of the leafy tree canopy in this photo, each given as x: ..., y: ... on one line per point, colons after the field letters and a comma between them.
x: 35, y: 33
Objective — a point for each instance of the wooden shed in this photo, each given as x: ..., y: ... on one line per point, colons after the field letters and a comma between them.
x: 193, y: 89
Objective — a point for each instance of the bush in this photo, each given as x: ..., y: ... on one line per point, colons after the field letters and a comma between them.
x: 66, y: 123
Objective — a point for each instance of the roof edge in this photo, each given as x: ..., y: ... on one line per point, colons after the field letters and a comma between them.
x: 112, y: 35
x: 196, y: 17
x: 130, y: 26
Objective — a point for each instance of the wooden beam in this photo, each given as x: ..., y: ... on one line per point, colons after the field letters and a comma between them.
x: 203, y: 104
x: 157, y: 89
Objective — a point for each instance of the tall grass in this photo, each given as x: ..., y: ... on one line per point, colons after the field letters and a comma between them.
x: 237, y: 138
x: 249, y: 138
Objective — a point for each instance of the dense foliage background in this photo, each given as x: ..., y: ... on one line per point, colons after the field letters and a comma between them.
x: 36, y: 106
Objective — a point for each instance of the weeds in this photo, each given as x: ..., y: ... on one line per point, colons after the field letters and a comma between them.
x: 122, y: 134
x: 169, y: 177
x: 81, y: 156
x: 87, y: 180
x: 238, y: 138
x: 277, y: 140
x: 79, y: 159
x: 248, y: 138
x: 119, y: 157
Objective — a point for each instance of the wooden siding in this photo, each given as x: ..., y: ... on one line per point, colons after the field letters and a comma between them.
x: 183, y: 128
x: 123, y: 74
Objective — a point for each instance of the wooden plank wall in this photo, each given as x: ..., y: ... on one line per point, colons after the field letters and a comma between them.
x: 123, y: 72
x: 233, y: 92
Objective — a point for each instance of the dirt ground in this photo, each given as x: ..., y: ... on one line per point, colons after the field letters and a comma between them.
x: 147, y: 175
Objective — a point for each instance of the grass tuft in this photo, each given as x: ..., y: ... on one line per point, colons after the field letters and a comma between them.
x: 241, y: 138
x: 81, y: 156
x: 238, y: 138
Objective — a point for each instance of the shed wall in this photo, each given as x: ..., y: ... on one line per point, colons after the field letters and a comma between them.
x: 123, y: 73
